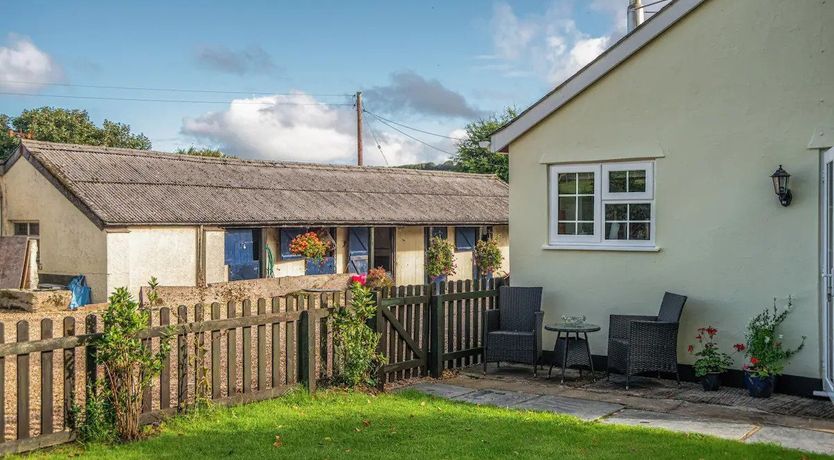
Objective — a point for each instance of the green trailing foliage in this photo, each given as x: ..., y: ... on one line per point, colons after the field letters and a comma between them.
x: 129, y: 365
x: 355, y: 342
x: 768, y: 355
x: 440, y: 258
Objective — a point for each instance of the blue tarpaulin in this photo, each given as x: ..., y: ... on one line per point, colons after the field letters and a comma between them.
x: 80, y: 292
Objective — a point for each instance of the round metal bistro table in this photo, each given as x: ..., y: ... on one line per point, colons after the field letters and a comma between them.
x: 571, y: 351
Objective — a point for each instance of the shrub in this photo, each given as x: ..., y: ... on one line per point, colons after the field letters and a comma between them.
x: 355, y: 342
x: 128, y: 364
x: 710, y: 358
x: 378, y: 279
x: 488, y: 256
x: 95, y: 421
x: 310, y: 245
x: 440, y: 258
x: 767, y: 355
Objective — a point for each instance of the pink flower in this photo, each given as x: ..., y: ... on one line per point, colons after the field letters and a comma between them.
x: 361, y: 279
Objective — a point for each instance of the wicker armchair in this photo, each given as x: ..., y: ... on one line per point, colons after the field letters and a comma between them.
x: 513, y: 332
x: 639, y: 344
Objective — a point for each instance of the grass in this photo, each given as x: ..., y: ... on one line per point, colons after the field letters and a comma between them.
x: 404, y: 425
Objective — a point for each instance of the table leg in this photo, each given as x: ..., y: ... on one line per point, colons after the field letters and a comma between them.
x: 553, y: 359
x: 565, y: 355
x: 590, y: 358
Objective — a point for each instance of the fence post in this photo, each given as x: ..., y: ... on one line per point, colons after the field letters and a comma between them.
x: 379, y: 327
x: 307, y: 351
x: 436, y: 331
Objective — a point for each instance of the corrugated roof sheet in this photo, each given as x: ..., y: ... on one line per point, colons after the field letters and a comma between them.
x: 133, y: 187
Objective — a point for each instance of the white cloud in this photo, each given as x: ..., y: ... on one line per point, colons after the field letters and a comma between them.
x: 301, y: 128
x: 550, y: 45
x: 22, y: 61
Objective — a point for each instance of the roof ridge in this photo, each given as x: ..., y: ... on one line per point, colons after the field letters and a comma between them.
x: 253, y: 162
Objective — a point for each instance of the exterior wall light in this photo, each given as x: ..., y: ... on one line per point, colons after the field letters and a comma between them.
x: 780, y: 186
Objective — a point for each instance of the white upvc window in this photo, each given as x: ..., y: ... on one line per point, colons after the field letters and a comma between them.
x: 602, y: 205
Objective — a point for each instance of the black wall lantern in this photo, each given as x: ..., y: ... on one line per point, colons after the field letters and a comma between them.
x: 780, y: 186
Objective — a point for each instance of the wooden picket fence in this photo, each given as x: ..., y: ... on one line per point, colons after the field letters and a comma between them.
x: 240, y: 352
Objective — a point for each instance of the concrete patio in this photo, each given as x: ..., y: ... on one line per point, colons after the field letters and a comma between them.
x: 790, y: 421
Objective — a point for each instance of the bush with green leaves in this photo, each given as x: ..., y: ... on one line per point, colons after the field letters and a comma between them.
x: 440, y: 258
x: 95, y: 421
x: 355, y: 342
x: 129, y: 364
x: 488, y: 256
x: 768, y: 356
x: 711, y: 360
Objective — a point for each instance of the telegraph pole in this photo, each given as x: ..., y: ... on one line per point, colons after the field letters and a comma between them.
x: 359, y: 159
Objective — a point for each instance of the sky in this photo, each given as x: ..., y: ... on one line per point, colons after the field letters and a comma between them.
x: 275, y: 80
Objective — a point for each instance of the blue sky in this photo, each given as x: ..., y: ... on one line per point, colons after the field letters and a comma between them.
x: 431, y: 65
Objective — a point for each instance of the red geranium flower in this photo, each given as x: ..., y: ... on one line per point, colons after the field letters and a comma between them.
x: 361, y: 279
x: 739, y: 347
x: 691, y: 348
x: 754, y: 360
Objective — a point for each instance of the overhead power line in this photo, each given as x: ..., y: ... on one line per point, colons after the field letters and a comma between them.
x: 183, y: 101
x: 413, y: 128
x: 410, y: 136
x: 172, y: 90
x: 378, y: 145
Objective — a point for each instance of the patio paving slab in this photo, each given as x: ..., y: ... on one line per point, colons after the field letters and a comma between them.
x: 495, y: 398
x: 811, y: 441
x: 582, y: 408
x: 441, y: 390
x: 674, y: 422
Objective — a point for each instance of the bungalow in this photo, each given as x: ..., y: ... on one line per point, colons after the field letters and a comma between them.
x: 649, y: 170
x: 120, y: 216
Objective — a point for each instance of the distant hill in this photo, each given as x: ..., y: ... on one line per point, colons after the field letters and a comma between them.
x: 445, y: 166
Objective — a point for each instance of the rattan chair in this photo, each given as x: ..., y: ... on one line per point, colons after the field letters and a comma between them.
x: 638, y: 344
x: 513, y: 332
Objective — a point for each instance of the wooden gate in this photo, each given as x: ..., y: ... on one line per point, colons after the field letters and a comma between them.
x: 403, y: 320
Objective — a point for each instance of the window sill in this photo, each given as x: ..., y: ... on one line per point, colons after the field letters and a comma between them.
x: 599, y: 247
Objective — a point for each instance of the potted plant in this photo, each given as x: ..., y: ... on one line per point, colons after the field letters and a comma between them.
x: 488, y: 257
x: 766, y: 351
x: 711, y: 362
x: 378, y: 279
x: 440, y: 259
x: 310, y: 245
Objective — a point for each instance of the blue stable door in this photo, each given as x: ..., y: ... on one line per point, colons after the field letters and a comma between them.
x: 358, y: 241
x: 242, y: 253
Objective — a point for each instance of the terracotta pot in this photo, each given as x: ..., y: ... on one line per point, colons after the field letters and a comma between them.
x: 711, y: 381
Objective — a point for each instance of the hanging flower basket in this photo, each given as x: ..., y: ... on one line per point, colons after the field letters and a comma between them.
x: 311, y: 246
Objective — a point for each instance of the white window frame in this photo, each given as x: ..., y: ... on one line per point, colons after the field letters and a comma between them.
x: 601, y: 197
x: 647, y: 166
x: 554, y: 203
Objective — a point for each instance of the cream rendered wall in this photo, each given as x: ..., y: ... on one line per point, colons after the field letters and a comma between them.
x: 70, y: 244
x: 215, y: 250
x: 501, y: 233
x: 409, y: 260
x: 724, y: 97
x: 137, y: 253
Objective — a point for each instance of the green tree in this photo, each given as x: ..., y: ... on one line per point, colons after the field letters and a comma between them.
x: 203, y: 152
x: 54, y: 124
x: 471, y: 157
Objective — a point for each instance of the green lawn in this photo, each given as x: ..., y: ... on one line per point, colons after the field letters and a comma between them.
x: 407, y: 425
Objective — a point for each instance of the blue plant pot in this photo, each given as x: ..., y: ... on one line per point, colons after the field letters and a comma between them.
x: 440, y: 279
x: 758, y: 387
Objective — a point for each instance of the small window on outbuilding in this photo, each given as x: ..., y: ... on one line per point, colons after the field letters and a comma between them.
x: 30, y: 229
x: 442, y: 232
x: 465, y: 238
